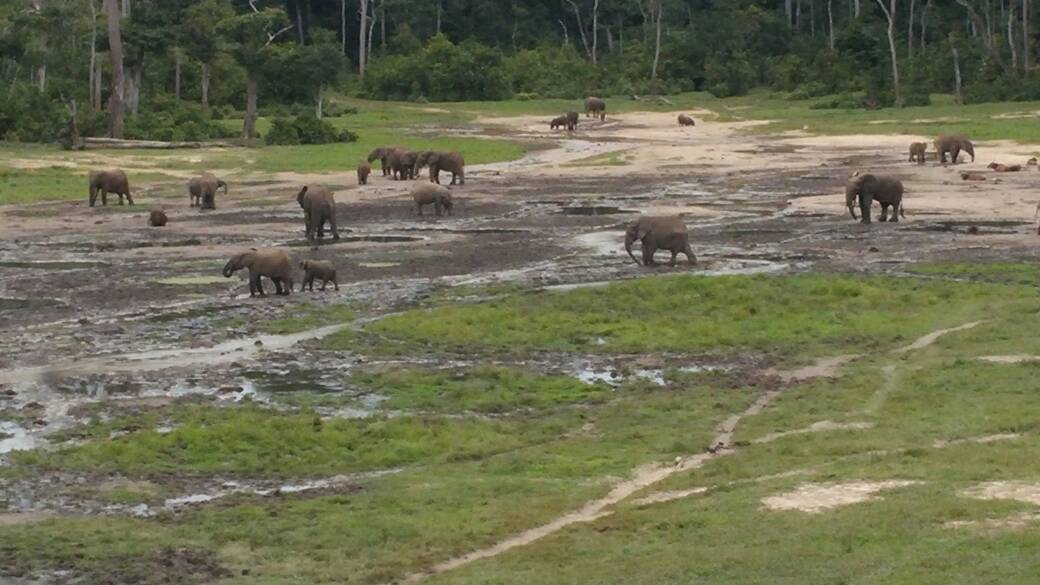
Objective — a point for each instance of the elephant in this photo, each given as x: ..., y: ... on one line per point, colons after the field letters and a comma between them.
x: 272, y: 263
x: 427, y: 193
x: 886, y: 190
x: 402, y: 164
x: 572, y: 121
x: 685, y: 120
x: 595, y: 107
x: 383, y: 154
x: 1002, y: 168
x: 438, y: 161
x: 202, y: 190
x: 969, y: 176
x: 105, y: 182
x: 157, y: 217
x: 319, y: 206
x: 918, y: 151
x: 558, y: 122
x: 363, y: 170
x: 322, y: 270
x: 661, y: 232
x: 953, y: 145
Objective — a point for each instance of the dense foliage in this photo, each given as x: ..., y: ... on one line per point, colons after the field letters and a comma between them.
x: 259, y: 57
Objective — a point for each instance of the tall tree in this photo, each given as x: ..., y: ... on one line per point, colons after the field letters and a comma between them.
x: 362, y: 44
x: 252, y: 35
x: 116, y: 111
x: 659, y: 6
x: 890, y: 14
x: 1025, y: 35
x: 202, y: 35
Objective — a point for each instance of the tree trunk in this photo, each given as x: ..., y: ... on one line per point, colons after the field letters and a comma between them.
x: 830, y: 21
x: 126, y: 9
x: 94, y: 106
x: 789, y: 11
x: 133, y: 89
x: 1011, y: 35
x: 595, y: 30
x: 857, y: 9
x: 657, y: 42
x: 812, y: 18
x: 910, y: 33
x: 177, y: 76
x: 924, y: 25
x: 98, y: 83
x: 382, y: 25
x: 115, y: 52
x: 581, y: 28
x: 978, y: 24
x: 41, y: 69
x: 566, y: 36
x: 890, y: 14
x: 249, y: 122
x: 610, y: 39
x: 205, y: 85
x: 957, y: 76
x: 318, y: 100
x: 371, y: 29
x: 362, y: 45
x: 343, y: 24
x: 798, y: 15
x: 1025, y: 35
x: 299, y: 21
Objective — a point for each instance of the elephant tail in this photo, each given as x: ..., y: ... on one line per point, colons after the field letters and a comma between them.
x: 902, y: 211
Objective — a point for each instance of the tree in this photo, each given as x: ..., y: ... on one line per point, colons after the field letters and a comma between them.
x: 362, y: 45
x: 317, y: 65
x: 115, y: 52
x: 890, y: 14
x: 251, y: 36
x: 202, y: 37
x: 657, y: 5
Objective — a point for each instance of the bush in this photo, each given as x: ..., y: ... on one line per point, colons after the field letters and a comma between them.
x: 727, y: 77
x: 306, y: 129
x: 441, y: 71
x: 168, y: 119
x: 841, y: 101
x: 27, y: 115
x: 336, y: 109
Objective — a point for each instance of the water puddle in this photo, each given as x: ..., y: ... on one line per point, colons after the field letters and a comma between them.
x: 15, y: 438
x: 615, y: 376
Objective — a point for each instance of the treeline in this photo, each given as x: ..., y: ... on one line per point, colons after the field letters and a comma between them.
x: 171, y: 69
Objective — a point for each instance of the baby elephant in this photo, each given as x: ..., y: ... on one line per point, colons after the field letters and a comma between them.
x: 157, y: 217
x: 558, y: 122
x: 685, y: 120
x: 322, y: 270
x: 867, y: 188
x: 363, y: 170
x: 427, y: 193
x: 668, y: 233
x: 917, y: 152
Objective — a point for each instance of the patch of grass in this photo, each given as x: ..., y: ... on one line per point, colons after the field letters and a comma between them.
x: 18, y: 186
x: 308, y: 316
x: 482, y: 389
x: 613, y: 158
x: 791, y: 315
x: 998, y: 272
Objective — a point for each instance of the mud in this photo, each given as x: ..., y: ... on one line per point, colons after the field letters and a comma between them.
x: 817, y: 498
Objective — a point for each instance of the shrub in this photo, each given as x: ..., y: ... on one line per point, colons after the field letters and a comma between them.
x: 167, y: 119
x: 306, y: 129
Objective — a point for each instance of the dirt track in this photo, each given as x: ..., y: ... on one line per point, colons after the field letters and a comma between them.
x: 90, y: 314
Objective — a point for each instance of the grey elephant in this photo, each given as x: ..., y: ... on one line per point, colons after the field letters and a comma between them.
x: 202, y: 190
x: 918, y: 151
x: 662, y: 232
x: 105, y: 182
x: 558, y: 122
x: 953, y: 145
x: 438, y: 161
x: 363, y: 170
x: 572, y: 121
x: 322, y: 270
x: 867, y: 188
x: 383, y: 155
x: 157, y: 217
x: 596, y: 108
x: 426, y: 193
x: 402, y: 164
x: 272, y: 263
x: 319, y: 207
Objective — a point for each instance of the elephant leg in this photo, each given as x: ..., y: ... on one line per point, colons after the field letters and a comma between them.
x: 691, y: 259
x: 129, y: 198
x: 649, y: 249
x: 332, y: 224
x: 865, y: 202
x: 435, y: 175
x: 895, y: 212
x: 462, y: 176
x: 675, y: 253
x: 324, y: 283
x: 438, y: 208
x: 884, y: 213
x: 255, y: 285
x: 104, y: 198
x: 335, y: 284
x: 955, y: 155
x: 418, y: 209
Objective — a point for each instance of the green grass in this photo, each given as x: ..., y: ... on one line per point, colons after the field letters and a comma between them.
x: 792, y: 315
x: 482, y: 389
x: 997, y: 272
x: 614, y: 158
x: 51, y: 183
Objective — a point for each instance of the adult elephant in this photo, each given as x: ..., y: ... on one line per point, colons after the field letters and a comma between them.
x: 319, y: 207
x: 383, y: 155
x: 105, y: 182
x: 202, y: 190
x: 272, y: 263
x: 402, y: 163
x: 662, y: 232
x: 954, y: 145
x: 596, y: 108
x: 438, y: 161
x: 867, y: 188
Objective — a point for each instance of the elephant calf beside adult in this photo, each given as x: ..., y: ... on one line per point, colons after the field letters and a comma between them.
x: 867, y: 188
x: 319, y: 208
x: 666, y: 232
x: 272, y: 263
x: 202, y: 190
x: 105, y: 182
x: 954, y: 145
x: 438, y: 161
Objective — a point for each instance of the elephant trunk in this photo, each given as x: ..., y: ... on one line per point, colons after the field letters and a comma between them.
x: 850, y: 200
x: 222, y: 184
x: 230, y: 269
x: 970, y: 149
x: 299, y: 196
x: 630, y: 238
x: 93, y: 193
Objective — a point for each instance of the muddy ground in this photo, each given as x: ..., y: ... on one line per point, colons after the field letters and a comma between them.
x: 98, y: 308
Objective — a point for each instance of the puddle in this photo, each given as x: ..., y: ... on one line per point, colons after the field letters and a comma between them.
x: 191, y: 280
x: 15, y: 438
x: 110, y: 246
x: 596, y: 210
x: 615, y: 376
x: 814, y: 498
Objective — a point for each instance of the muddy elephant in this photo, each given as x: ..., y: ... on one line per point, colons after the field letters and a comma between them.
x: 426, y: 193
x: 438, y: 161
x: 363, y: 170
x: 572, y: 121
x: 596, y: 108
x: 667, y: 233
x: 382, y: 154
x: 918, y: 151
x: 105, y: 182
x: 886, y: 190
x: 685, y: 120
x: 272, y: 263
x: 558, y: 122
x: 1003, y: 168
x: 202, y: 190
x: 157, y: 217
x: 322, y: 270
x: 402, y: 164
x: 319, y: 207
x: 953, y: 145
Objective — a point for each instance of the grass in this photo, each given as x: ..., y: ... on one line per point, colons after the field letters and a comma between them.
x: 996, y: 272
x: 613, y: 158
x: 791, y: 315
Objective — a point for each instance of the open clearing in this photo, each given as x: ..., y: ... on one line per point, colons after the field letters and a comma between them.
x: 501, y: 395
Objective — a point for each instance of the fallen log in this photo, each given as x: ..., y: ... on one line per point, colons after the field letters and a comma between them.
x: 95, y: 142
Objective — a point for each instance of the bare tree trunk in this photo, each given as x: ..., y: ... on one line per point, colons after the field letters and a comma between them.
x: 98, y: 82
x: 610, y: 39
x: 890, y: 14
x: 205, y: 85
x: 1025, y: 35
x: 115, y: 52
x: 621, y: 36
x: 371, y: 28
x: 978, y: 24
x: 657, y: 42
x: 362, y: 45
x: 40, y: 75
x: 924, y: 25
x: 581, y: 28
x: 595, y: 29
x: 94, y: 106
x: 857, y: 9
x: 566, y: 37
x: 910, y: 33
x: 249, y: 122
x: 798, y: 15
x: 133, y: 89
x: 299, y: 21
x: 789, y: 11
x: 646, y: 20
x: 126, y: 9
x: 343, y: 24
x: 318, y: 101
x: 440, y: 8
x: 382, y: 24
x: 957, y: 75
x: 830, y: 21
x: 1011, y: 35
x: 177, y: 76
x: 812, y: 18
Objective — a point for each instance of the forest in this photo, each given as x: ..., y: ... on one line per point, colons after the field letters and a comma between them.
x: 182, y: 69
